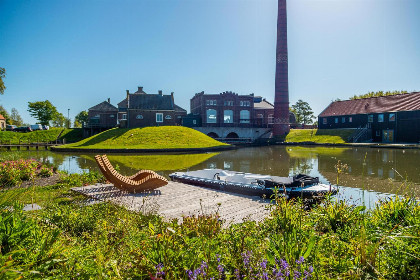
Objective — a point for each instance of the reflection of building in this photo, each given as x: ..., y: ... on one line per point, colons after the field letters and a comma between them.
x: 140, y: 109
x: 394, y: 118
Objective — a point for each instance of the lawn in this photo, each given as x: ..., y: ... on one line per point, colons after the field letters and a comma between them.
x: 71, y: 135
x: 164, y: 137
x: 328, y: 136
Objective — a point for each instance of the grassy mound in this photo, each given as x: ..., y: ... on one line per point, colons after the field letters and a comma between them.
x: 71, y: 135
x: 332, y: 136
x: 163, y: 137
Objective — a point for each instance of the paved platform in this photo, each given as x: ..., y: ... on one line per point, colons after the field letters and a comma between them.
x: 176, y: 200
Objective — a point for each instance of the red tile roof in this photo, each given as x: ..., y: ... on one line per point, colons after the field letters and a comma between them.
x: 391, y: 103
x: 2, y: 118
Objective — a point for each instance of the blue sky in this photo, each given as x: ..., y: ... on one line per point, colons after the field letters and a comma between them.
x: 78, y: 53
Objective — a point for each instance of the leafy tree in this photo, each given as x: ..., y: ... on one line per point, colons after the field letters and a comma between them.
x: 59, y: 120
x: 81, y: 118
x: 303, y: 112
x: 5, y: 114
x: 43, y: 111
x: 2, y: 76
x: 16, y: 119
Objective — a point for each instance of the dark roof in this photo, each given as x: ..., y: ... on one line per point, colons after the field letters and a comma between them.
x: 391, y: 103
x: 148, y: 102
x: 179, y: 109
x: 104, y: 106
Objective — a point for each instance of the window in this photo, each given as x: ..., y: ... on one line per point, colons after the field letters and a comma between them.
x: 336, y: 120
x: 241, y: 103
x: 260, y: 116
x: 168, y: 117
x: 228, y: 103
x: 244, y: 116
x: 343, y: 119
x: 350, y: 119
x: 228, y: 116
x: 111, y: 116
x: 124, y: 116
x: 97, y: 116
x: 159, y: 117
x: 381, y: 118
x: 370, y: 118
x: 378, y: 133
x: 139, y: 117
x: 324, y: 121
x: 392, y: 117
x: 270, y: 119
x: 207, y: 102
x: 211, y: 116
x: 194, y: 121
x: 214, y: 102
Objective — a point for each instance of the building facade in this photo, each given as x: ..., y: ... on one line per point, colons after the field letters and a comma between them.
x: 388, y: 119
x: 2, y: 123
x: 140, y: 109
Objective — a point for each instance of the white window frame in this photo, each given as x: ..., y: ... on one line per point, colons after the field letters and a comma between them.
x: 350, y: 119
x: 159, y: 117
x: 324, y: 121
x: 168, y: 117
x: 380, y: 117
x: 124, y: 116
x: 139, y: 117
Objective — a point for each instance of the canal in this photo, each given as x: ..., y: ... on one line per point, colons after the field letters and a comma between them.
x: 367, y: 174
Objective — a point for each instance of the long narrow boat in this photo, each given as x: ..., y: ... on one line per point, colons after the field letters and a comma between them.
x: 254, y: 184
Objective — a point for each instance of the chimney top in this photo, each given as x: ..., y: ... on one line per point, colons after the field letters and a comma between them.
x: 109, y: 100
x: 172, y: 93
x: 140, y: 89
x: 160, y: 92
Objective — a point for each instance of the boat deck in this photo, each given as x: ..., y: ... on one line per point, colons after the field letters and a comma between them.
x: 176, y: 200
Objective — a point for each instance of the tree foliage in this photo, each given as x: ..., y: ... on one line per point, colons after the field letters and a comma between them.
x: 81, y: 118
x: 2, y: 76
x: 15, y: 117
x: 378, y: 94
x: 59, y: 120
x: 43, y: 111
x: 303, y: 112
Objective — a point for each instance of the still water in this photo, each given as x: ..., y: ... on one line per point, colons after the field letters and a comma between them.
x: 368, y: 174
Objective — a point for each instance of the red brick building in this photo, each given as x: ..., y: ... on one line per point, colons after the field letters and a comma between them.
x: 140, y: 109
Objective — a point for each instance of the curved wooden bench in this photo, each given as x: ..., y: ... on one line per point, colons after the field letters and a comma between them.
x: 144, y: 180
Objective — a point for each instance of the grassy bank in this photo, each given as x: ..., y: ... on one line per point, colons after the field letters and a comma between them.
x: 70, y: 240
x: 71, y: 135
x: 164, y: 137
x: 329, y: 136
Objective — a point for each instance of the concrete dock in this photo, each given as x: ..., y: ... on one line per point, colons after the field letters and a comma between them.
x: 176, y: 200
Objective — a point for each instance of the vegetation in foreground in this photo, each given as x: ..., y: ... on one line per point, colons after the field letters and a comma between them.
x: 329, y: 136
x: 51, y: 135
x: 159, y: 137
x: 70, y: 239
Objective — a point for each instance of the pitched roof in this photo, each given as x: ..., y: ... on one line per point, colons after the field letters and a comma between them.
x: 264, y: 104
x: 391, y: 103
x: 149, y: 102
x: 179, y: 109
x: 1, y: 117
x: 104, y: 106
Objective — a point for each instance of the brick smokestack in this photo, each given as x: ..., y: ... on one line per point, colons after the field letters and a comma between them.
x: 281, y: 98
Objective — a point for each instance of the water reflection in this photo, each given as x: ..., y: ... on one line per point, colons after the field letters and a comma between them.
x: 370, y: 171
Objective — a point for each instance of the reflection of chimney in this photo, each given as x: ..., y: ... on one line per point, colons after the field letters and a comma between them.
x: 109, y: 100
x: 160, y: 92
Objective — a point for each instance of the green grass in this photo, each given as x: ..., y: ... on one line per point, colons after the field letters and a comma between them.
x: 69, y: 240
x: 306, y: 152
x: 329, y: 136
x: 164, y: 137
x: 71, y: 135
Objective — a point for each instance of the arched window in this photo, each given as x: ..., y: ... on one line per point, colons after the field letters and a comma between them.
x: 211, y: 116
x: 139, y: 117
x: 228, y: 116
x: 168, y: 117
x: 244, y: 116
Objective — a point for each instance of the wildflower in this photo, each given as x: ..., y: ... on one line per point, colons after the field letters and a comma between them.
x: 237, y: 274
x: 296, y: 274
x: 300, y: 260
x: 263, y: 264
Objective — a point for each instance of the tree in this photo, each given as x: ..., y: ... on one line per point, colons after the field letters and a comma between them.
x: 16, y: 119
x: 59, y: 120
x: 303, y: 112
x: 43, y: 111
x: 81, y: 118
x: 2, y: 76
x: 5, y: 114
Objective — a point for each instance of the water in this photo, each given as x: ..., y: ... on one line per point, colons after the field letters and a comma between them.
x: 368, y: 174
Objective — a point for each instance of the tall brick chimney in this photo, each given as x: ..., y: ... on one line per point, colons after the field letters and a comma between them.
x: 281, y: 98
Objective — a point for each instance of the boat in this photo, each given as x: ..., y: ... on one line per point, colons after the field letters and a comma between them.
x: 299, y: 185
